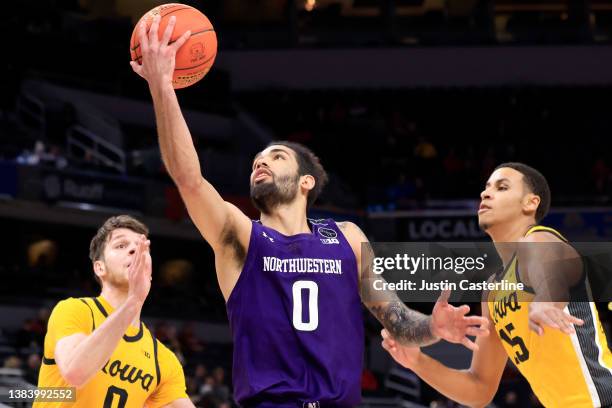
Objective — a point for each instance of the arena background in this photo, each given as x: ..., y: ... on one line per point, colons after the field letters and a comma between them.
x: 410, y: 104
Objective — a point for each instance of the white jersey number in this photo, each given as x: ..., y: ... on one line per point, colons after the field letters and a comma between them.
x: 313, y: 306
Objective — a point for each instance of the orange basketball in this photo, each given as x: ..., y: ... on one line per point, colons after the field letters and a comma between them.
x: 196, y: 56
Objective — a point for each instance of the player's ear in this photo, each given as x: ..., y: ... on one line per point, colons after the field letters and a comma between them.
x: 307, y: 182
x: 99, y: 268
x: 530, y: 203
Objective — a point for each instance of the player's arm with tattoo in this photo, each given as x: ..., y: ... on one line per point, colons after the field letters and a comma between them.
x: 407, y: 326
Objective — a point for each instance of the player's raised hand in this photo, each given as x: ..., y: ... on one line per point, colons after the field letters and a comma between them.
x: 139, y: 272
x: 451, y: 323
x: 405, y: 355
x: 551, y: 314
x: 158, y: 56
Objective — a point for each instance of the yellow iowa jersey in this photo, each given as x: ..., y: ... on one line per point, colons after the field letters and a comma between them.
x: 563, y: 370
x: 140, y: 371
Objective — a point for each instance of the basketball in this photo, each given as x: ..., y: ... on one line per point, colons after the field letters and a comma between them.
x: 197, y: 55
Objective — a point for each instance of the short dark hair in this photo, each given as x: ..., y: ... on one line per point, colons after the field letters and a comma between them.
x: 308, y: 163
x: 536, y: 183
x: 98, y: 242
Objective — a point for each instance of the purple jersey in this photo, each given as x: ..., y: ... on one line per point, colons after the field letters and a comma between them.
x: 296, y: 320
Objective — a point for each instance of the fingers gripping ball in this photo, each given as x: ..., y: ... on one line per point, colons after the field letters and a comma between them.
x: 197, y: 55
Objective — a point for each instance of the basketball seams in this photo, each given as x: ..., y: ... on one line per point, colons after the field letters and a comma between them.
x: 207, y: 30
x: 186, y: 8
x: 174, y: 10
x: 183, y: 69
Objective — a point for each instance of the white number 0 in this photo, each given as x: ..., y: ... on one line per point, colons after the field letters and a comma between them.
x: 313, y: 308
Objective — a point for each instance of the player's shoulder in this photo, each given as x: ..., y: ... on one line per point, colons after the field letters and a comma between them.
x: 348, y: 226
x: 352, y: 232
x: 162, y: 348
x: 166, y: 357
x: 540, y: 233
x: 541, y: 236
x: 70, y: 303
x: 547, y: 239
x: 69, y: 310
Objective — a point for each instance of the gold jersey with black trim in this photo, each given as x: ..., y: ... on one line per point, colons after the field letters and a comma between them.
x: 140, y: 372
x: 563, y: 370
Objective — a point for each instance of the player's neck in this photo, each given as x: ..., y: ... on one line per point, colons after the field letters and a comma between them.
x: 115, y: 298
x: 287, y: 219
x: 505, y: 237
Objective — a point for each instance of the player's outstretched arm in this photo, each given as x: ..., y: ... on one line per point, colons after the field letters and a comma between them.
x: 210, y: 213
x: 79, y: 356
x: 551, y: 267
x: 474, y: 387
x: 408, y: 326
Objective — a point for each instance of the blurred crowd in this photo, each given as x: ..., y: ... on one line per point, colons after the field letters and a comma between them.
x: 389, y: 150
x: 395, y: 149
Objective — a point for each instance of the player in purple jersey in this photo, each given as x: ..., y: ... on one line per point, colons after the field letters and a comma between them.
x: 291, y: 284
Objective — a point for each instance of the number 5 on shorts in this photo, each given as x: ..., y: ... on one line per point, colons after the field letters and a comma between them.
x: 313, y: 307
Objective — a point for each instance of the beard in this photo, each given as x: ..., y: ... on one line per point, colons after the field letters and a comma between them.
x: 117, y: 280
x: 281, y: 190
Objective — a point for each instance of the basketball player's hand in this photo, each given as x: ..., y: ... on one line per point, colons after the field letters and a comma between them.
x: 451, y: 323
x: 551, y: 314
x: 158, y: 56
x: 404, y: 355
x: 139, y: 272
